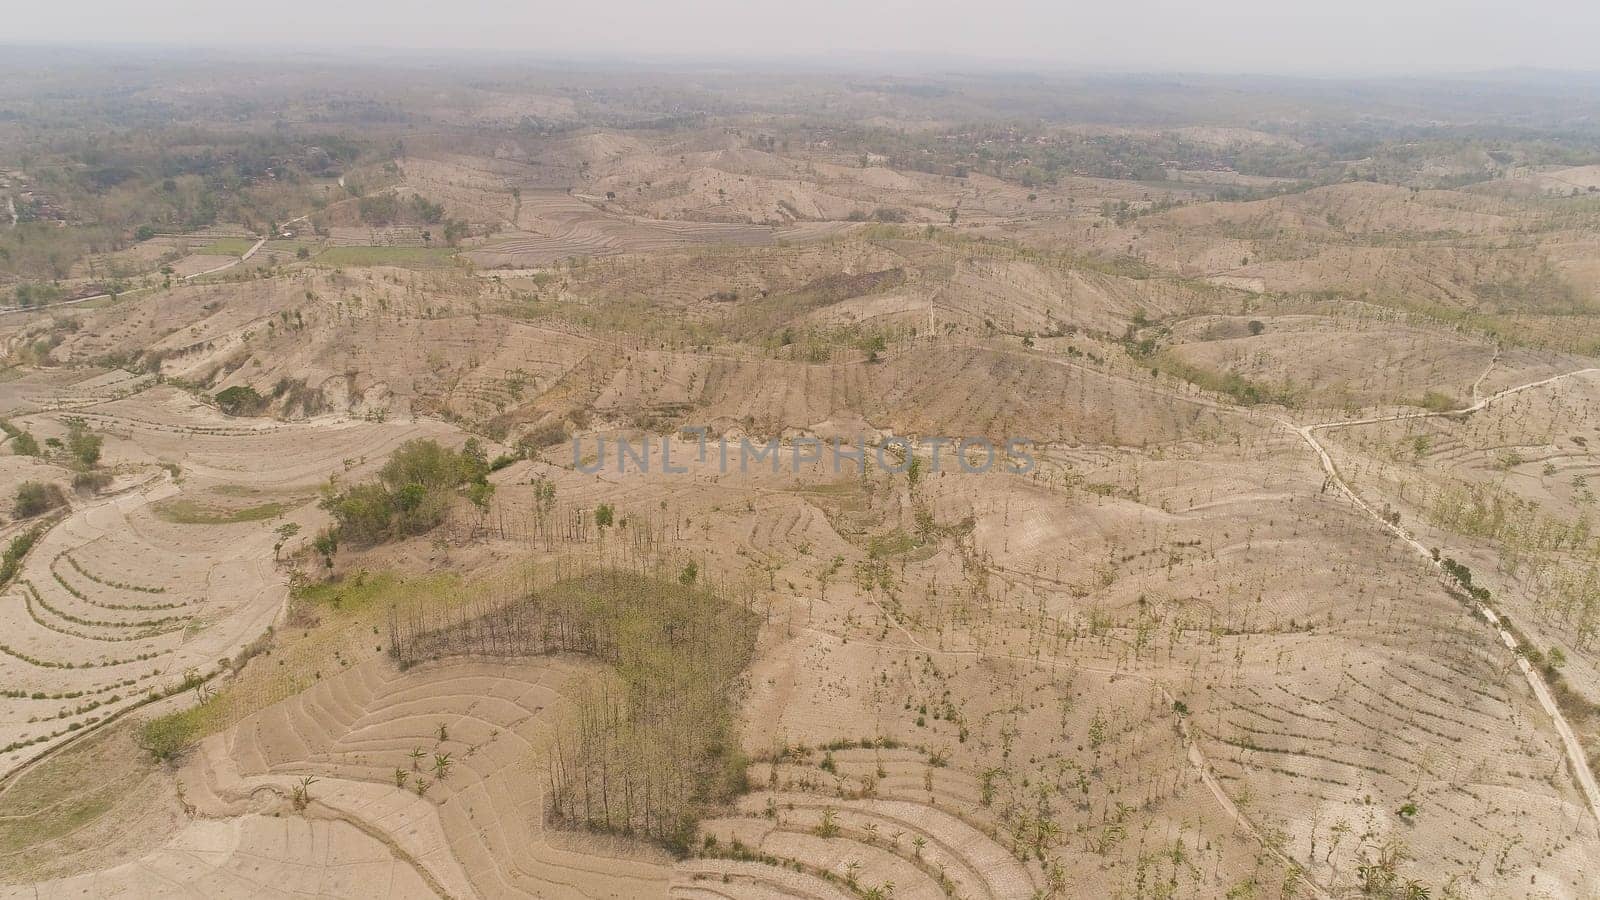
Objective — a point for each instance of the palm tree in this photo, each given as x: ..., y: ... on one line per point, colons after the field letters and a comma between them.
x: 300, y: 794
x: 416, y: 757
x: 400, y: 776
x: 441, y: 765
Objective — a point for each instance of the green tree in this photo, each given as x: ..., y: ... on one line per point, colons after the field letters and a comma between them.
x: 24, y: 444
x: 83, y: 445
x: 412, y: 493
x: 240, y: 400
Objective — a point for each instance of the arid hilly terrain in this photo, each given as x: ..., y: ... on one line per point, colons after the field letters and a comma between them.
x: 612, y: 485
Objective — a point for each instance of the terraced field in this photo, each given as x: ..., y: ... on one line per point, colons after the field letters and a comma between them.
x: 115, y: 604
x: 250, y: 856
x: 556, y: 226
x: 473, y: 825
x: 702, y: 484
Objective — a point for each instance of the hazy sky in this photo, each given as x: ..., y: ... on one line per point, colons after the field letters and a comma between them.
x: 1324, y: 36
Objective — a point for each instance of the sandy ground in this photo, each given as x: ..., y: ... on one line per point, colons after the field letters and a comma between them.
x: 1202, y: 644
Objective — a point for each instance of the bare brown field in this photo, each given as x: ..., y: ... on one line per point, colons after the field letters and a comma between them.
x: 422, y: 552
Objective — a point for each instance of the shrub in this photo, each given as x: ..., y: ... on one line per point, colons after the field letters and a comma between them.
x: 37, y: 294
x: 547, y: 435
x: 412, y: 493
x: 35, y: 497
x: 166, y: 738
x: 240, y: 400
x: 91, y: 482
x: 83, y: 445
x: 326, y: 543
x: 1434, y: 401
x: 22, y: 442
x: 365, y: 512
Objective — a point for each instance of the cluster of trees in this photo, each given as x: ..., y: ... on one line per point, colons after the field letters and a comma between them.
x: 652, y: 750
x: 381, y: 210
x: 37, y: 294
x: 45, y: 251
x: 1463, y: 577
x: 94, y: 193
x: 650, y: 746
x: 411, y: 495
x: 389, y: 209
x: 81, y: 450
x: 82, y: 445
x: 83, y: 454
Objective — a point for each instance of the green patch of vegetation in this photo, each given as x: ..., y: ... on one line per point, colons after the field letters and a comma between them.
x: 362, y: 592
x: 892, y: 543
x: 1463, y: 577
x: 82, y: 445
x: 11, y: 561
x: 22, y: 442
x: 91, y: 482
x: 1242, y: 390
x: 36, y: 294
x: 65, y: 793
x: 226, y: 247
x: 240, y: 400
x: 411, y: 495
x: 184, y: 511
x: 406, y: 257
x: 1435, y: 401
x: 329, y: 623
x: 166, y: 737
x: 35, y: 497
x: 651, y: 745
